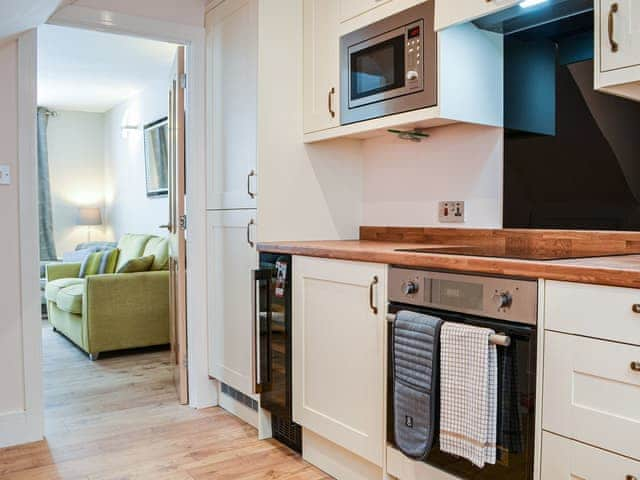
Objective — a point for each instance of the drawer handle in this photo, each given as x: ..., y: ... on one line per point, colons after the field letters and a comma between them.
x: 612, y: 10
x: 636, y: 308
x: 635, y: 366
x: 372, y: 306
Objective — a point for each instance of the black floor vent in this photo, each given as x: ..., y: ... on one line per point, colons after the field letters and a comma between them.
x: 287, y: 432
x: 240, y: 397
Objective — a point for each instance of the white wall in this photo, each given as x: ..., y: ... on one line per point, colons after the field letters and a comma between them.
x: 403, y: 181
x: 11, y: 359
x: 77, y: 174
x: 127, y: 207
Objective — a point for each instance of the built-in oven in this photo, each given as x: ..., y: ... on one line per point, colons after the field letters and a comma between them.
x: 389, y: 66
x: 509, y: 307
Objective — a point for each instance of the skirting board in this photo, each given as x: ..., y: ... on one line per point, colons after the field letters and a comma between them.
x: 238, y: 409
x: 335, y: 460
x: 17, y: 428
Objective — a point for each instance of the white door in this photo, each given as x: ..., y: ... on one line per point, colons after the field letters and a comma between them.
x: 352, y: 8
x: 451, y: 12
x: 231, y: 258
x: 232, y: 73
x: 339, y: 332
x: 564, y: 459
x: 619, y: 34
x: 321, y: 65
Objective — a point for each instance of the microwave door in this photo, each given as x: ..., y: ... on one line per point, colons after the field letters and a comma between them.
x: 377, y: 69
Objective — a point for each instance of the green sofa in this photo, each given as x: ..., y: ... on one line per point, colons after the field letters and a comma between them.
x: 113, y: 311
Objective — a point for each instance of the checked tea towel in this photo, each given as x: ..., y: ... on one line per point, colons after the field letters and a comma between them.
x: 468, y: 393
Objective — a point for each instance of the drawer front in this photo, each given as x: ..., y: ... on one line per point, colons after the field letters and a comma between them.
x: 592, y: 393
x: 593, y: 311
x: 564, y: 459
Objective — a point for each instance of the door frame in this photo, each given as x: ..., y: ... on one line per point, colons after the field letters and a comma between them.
x: 202, y: 392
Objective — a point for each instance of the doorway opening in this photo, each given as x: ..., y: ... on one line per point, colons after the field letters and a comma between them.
x: 111, y: 163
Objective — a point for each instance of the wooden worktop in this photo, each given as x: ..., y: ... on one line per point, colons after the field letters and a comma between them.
x: 379, y: 244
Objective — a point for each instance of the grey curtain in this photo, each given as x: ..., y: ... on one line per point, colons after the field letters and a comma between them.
x: 47, y: 242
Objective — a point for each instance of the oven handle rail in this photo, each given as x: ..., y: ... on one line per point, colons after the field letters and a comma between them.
x: 498, y: 339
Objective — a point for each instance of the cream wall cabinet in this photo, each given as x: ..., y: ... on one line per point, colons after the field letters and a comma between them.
x: 232, y: 75
x: 452, y: 12
x: 339, y: 332
x: 592, y: 392
x: 618, y: 47
x: 564, y: 459
x: 349, y: 9
x: 321, y: 65
x: 231, y: 258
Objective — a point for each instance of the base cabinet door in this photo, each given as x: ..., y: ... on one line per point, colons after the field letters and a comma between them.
x: 564, y: 459
x: 339, y: 331
x: 619, y: 34
x: 451, y: 12
x: 231, y: 258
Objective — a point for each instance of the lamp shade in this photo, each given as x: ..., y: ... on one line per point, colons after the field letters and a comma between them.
x: 89, y: 216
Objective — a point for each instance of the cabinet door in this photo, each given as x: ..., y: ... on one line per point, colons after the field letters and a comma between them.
x: 321, y: 65
x: 339, y: 352
x: 619, y: 34
x: 231, y: 258
x: 232, y: 73
x: 563, y: 459
x: 450, y: 12
x: 352, y: 8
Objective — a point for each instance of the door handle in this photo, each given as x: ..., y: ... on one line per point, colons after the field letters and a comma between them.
x: 330, y: 95
x: 612, y: 10
x: 249, y: 241
x: 372, y: 306
x: 251, y: 194
x: 167, y: 226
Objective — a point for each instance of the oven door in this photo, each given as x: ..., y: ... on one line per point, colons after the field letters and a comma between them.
x: 516, y: 402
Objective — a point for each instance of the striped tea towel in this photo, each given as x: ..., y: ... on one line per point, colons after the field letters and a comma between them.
x: 468, y: 393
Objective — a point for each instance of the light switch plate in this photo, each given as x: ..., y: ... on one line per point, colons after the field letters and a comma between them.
x: 5, y: 175
x: 451, y: 211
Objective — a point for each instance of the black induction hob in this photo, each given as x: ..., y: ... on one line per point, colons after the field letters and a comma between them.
x: 502, y: 252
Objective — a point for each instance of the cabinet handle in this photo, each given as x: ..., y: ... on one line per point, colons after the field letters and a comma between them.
x: 631, y: 477
x: 636, y: 308
x: 635, y: 366
x: 373, y: 283
x: 330, y: 102
x: 252, y: 173
x: 249, y: 241
x: 612, y: 10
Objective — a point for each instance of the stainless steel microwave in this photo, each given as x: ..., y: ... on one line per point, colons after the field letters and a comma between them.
x: 389, y: 66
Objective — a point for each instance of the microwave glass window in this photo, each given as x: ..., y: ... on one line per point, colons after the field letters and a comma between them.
x: 378, y: 68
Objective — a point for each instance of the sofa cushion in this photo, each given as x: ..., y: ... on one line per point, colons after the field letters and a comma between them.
x: 131, y: 246
x: 70, y: 299
x: 99, y: 263
x: 159, y: 248
x: 53, y: 288
x: 136, y: 265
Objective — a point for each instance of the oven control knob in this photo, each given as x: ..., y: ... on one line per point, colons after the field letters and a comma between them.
x: 502, y: 299
x: 412, y: 75
x: 410, y: 288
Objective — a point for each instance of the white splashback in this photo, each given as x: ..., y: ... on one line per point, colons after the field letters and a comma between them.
x: 403, y: 181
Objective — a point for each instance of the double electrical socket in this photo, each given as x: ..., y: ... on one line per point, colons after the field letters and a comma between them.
x: 451, y: 211
x: 5, y: 175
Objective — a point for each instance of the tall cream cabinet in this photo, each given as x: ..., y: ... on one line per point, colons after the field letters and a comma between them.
x: 339, y: 343
x: 618, y: 47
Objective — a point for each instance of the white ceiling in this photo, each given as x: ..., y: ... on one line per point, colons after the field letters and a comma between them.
x: 93, y: 71
x: 19, y: 15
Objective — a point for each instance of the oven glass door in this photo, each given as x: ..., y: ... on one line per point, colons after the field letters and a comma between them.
x: 377, y: 69
x: 516, y: 403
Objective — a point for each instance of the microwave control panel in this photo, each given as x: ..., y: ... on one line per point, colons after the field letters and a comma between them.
x: 414, y: 60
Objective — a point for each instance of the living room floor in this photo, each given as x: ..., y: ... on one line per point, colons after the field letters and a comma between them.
x: 119, y: 419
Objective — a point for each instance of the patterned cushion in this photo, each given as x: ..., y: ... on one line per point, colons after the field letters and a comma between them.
x: 70, y: 299
x: 99, y: 262
x: 135, y: 265
x: 159, y: 248
x: 53, y: 288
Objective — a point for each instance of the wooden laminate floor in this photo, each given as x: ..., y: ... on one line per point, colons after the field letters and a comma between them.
x: 118, y: 419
